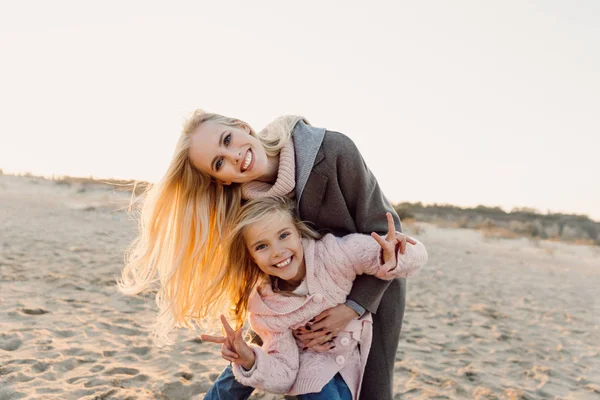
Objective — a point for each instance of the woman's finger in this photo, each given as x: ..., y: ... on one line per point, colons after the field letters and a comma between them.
x: 323, y: 347
x: 213, y: 339
x: 313, y: 335
x: 318, y: 341
x: 318, y: 318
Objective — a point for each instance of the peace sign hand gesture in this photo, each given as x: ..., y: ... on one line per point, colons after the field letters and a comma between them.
x: 234, y: 349
x: 392, y: 241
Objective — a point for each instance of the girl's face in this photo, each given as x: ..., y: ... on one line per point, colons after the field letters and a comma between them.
x: 228, y: 153
x: 275, y: 246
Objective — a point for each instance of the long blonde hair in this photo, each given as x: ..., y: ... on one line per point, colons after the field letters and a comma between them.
x: 242, y: 273
x: 184, y: 217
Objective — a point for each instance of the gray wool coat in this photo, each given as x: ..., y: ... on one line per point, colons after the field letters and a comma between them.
x: 337, y: 193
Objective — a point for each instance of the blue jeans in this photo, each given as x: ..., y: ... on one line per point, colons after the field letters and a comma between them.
x: 336, y: 389
x: 226, y: 387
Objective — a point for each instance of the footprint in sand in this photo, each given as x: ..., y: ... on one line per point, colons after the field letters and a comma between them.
x: 122, y: 370
x: 10, y: 342
x: 34, y: 311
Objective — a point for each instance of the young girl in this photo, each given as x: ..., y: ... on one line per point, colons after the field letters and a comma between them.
x: 289, y: 277
x: 220, y: 161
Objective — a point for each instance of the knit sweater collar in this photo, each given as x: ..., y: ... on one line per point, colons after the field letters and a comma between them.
x: 285, y: 182
x: 270, y: 302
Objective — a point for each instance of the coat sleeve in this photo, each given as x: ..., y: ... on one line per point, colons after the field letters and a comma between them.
x: 276, y: 363
x: 367, y: 205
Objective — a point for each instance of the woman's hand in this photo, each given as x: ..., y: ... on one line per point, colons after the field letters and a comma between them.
x: 320, y: 332
x: 234, y: 348
x: 393, y: 242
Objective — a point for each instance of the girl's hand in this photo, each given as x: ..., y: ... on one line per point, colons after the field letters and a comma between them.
x: 392, y: 241
x: 234, y: 349
x: 320, y: 332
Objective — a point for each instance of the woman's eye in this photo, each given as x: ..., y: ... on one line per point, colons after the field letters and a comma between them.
x: 218, y: 164
x: 284, y: 235
x: 260, y: 247
x: 227, y: 139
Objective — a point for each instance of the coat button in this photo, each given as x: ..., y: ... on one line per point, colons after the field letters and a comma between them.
x: 340, y: 360
x: 345, y: 341
x: 318, y: 297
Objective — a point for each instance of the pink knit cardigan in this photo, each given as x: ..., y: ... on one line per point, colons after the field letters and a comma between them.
x: 332, y: 264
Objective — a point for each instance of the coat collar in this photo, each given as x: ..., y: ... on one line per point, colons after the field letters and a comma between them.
x: 307, y: 142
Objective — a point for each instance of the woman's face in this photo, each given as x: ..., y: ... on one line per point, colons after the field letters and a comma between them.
x: 228, y: 153
x: 275, y: 245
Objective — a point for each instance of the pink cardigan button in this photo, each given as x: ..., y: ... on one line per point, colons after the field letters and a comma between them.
x: 345, y: 341
x: 340, y: 360
x: 318, y: 298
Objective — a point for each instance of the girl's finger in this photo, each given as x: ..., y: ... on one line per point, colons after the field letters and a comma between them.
x: 228, y: 329
x: 403, y: 245
x: 213, y: 339
x: 228, y: 358
x: 381, y: 241
x: 411, y: 240
x: 391, y: 227
x: 225, y: 352
x: 239, y: 341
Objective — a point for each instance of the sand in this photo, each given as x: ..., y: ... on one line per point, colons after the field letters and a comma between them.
x: 486, y: 319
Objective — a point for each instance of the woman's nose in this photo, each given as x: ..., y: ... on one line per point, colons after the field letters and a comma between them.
x: 235, y: 156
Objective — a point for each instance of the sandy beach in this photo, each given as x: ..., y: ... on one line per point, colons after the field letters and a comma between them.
x: 485, y: 319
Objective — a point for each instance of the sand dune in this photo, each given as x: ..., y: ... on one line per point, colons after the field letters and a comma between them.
x: 501, y: 319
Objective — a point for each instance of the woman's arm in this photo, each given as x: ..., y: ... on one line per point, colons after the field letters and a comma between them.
x: 367, y: 205
x: 362, y: 204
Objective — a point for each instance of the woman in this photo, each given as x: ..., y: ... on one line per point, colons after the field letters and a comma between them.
x: 217, y: 162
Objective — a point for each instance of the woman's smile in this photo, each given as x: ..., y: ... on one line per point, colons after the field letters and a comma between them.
x: 248, y: 161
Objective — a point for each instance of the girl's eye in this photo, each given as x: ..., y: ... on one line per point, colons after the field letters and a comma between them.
x: 218, y: 164
x: 260, y: 247
x: 284, y: 235
x: 227, y: 139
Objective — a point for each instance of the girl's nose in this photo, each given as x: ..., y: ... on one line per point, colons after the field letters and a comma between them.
x: 276, y: 251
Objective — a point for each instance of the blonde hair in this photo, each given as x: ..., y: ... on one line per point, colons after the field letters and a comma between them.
x: 184, y: 218
x: 242, y: 273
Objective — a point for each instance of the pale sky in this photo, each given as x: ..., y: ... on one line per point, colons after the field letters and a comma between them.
x: 460, y: 102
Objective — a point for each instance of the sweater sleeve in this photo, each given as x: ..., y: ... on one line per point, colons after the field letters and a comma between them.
x: 276, y: 363
x: 367, y: 205
x: 364, y: 256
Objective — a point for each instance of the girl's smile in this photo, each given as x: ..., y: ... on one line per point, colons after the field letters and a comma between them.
x: 275, y: 245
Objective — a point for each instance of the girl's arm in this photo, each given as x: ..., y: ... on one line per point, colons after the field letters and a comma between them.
x: 391, y: 257
x: 276, y: 362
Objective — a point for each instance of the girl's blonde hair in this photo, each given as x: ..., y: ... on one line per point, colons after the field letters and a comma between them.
x: 184, y: 218
x: 242, y: 273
